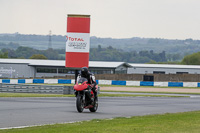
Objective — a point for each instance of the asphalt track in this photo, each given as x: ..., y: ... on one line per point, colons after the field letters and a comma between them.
x: 20, y: 112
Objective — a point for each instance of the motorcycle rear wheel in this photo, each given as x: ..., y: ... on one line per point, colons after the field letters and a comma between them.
x: 94, y: 108
x: 79, y: 103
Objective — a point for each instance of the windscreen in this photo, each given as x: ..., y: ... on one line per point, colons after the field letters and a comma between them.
x: 81, y: 80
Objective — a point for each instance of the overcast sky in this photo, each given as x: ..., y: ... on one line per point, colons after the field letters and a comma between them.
x: 170, y: 19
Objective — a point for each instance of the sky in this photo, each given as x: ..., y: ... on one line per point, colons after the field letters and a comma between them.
x: 168, y: 19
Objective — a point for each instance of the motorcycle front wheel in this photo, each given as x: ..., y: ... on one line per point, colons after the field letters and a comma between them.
x: 79, y: 103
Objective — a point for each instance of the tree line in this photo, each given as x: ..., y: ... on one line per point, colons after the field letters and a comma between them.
x: 170, y: 46
x: 96, y: 54
x: 113, y: 54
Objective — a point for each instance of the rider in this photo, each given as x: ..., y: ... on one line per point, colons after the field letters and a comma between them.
x: 90, y: 77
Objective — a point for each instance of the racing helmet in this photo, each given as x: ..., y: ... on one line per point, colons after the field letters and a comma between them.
x: 84, y: 71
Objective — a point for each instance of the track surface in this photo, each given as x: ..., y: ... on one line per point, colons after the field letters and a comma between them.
x: 15, y: 112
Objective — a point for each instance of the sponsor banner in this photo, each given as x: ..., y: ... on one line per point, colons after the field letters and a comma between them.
x: 72, y: 81
x: 76, y: 60
x: 28, y: 80
x: 21, y: 81
x: 64, y: 81
x: 50, y: 81
x: 79, y: 24
x: 6, y: 81
x: 146, y: 83
x: 175, y: 84
x: 189, y: 84
x: 13, y: 81
x: 198, y: 85
x: 117, y: 82
x: 38, y: 81
x: 164, y: 84
x: 105, y: 82
x: 78, y: 42
x: 133, y: 83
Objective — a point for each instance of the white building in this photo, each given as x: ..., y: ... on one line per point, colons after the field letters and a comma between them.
x: 14, y: 68
x: 163, y: 69
x: 29, y: 68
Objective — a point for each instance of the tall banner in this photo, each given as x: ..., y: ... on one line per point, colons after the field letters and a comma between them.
x: 78, y: 41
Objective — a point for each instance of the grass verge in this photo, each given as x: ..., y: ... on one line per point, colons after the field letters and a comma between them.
x: 187, y: 122
x: 60, y: 95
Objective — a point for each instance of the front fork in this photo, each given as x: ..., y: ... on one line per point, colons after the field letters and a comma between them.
x: 82, y: 94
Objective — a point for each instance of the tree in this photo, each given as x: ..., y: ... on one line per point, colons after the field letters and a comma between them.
x: 3, y: 55
x: 38, y: 56
x: 152, y: 62
x: 193, y: 59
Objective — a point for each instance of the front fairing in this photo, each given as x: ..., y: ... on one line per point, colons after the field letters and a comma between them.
x: 80, y: 86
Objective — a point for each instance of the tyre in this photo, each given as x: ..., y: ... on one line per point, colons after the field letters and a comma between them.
x: 94, y: 109
x: 79, y: 103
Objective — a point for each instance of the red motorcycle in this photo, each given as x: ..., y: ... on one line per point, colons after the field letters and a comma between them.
x: 85, y: 97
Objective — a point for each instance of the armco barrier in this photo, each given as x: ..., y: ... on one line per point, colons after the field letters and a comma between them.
x: 102, y: 82
x: 50, y: 89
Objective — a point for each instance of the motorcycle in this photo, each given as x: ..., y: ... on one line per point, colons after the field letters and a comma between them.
x: 85, y: 97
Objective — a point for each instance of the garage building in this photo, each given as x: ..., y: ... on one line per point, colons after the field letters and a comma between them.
x: 31, y: 68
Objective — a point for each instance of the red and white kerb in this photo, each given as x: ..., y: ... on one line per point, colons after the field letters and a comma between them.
x: 78, y: 41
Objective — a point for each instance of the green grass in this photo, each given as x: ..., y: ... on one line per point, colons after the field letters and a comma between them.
x: 187, y: 122
x: 60, y: 95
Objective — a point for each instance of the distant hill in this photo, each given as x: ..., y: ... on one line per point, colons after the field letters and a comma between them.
x: 40, y: 42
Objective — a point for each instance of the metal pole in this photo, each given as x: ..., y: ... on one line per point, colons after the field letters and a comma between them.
x: 76, y: 75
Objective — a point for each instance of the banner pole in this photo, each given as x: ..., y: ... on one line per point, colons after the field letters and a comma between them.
x: 76, y: 75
